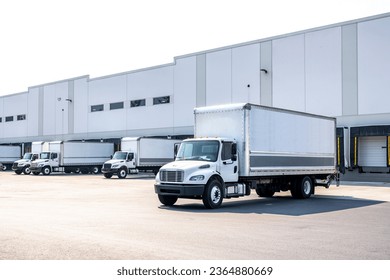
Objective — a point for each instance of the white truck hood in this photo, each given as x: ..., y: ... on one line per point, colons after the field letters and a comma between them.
x: 22, y: 160
x: 187, y: 165
x: 114, y: 161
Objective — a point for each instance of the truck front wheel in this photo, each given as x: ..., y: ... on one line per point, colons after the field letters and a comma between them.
x: 46, y: 170
x: 167, y: 200
x: 107, y: 175
x: 213, y: 194
x: 122, y: 173
x: 27, y: 170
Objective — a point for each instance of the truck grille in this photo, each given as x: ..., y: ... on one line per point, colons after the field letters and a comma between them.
x: 171, y: 176
x: 107, y: 166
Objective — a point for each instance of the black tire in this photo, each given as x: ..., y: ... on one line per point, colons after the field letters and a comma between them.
x: 303, y: 188
x: 36, y: 173
x: 84, y: 171
x: 76, y: 170
x: 18, y: 172
x: 27, y: 170
x: 122, y: 173
x: 167, y: 200
x: 213, y: 194
x: 107, y: 175
x: 46, y: 170
x: 265, y: 192
x: 95, y: 170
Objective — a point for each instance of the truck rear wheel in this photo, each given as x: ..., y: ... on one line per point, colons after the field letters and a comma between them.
x: 122, y: 173
x: 303, y: 188
x: 213, y: 194
x: 95, y: 170
x: 167, y: 200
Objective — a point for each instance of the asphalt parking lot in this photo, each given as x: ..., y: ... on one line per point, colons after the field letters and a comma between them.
x: 88, y: 217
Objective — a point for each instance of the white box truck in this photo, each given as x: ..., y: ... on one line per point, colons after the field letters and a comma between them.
x: 23, y: 164
x: 240, y: 147
x: 140, y: 154
x: 84, y: 157
x: 8, y: 154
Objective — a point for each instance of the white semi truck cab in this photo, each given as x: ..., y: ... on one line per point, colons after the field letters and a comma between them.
x: 47, y: 162
x: 204, y: 168
x: 23, y: 165
x: 240, y: 147
x: 121, y: 164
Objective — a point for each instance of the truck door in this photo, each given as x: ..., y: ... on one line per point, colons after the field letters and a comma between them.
x: 54, y: 159
x: 130, y: 161
x: 229, y: 162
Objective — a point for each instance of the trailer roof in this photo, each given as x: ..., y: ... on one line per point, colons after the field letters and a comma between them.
x: 248, y: 106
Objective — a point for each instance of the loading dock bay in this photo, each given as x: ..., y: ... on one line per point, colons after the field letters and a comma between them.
x: 88, y: 217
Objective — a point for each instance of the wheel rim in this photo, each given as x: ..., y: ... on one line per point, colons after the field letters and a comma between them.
x: 215, y: 194
x: 123, y: 173
x: 27, y: 170
x: 306, y: 187
x: 95, y: 170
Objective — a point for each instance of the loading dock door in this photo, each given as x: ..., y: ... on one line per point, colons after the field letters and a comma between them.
x: 372, y: 151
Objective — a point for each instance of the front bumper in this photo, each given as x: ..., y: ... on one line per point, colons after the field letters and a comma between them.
x: 18, y: 168
x: 179, y: 190
x: 110, y: 170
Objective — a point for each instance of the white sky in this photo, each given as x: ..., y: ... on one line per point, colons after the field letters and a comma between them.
x: 42, y: 41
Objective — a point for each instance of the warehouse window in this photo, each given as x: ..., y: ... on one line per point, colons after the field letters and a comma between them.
x: 97, y: 108
x: 161, y: 100
x: 116, y: 105
x: 9, y: 119
x: 21, y: 117
x: 137, y: 103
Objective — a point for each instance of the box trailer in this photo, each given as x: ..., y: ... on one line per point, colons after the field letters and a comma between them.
x: 23, y: 165
x: 84, y: 157
x: 240, y: 147
x: 8, y: 154
x: 140, y: 154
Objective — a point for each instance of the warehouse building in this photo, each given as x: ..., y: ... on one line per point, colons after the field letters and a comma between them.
x: 341, y: 70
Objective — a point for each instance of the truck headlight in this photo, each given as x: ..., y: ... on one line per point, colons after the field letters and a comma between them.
x: 41, y: 165
x: 197, y: 178
x: 115, y: 166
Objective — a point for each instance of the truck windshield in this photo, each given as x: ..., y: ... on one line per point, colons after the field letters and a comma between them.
x: 45, y: 155
x: 27, y: 156
x: 120, y: 155
x: 206, y: 150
